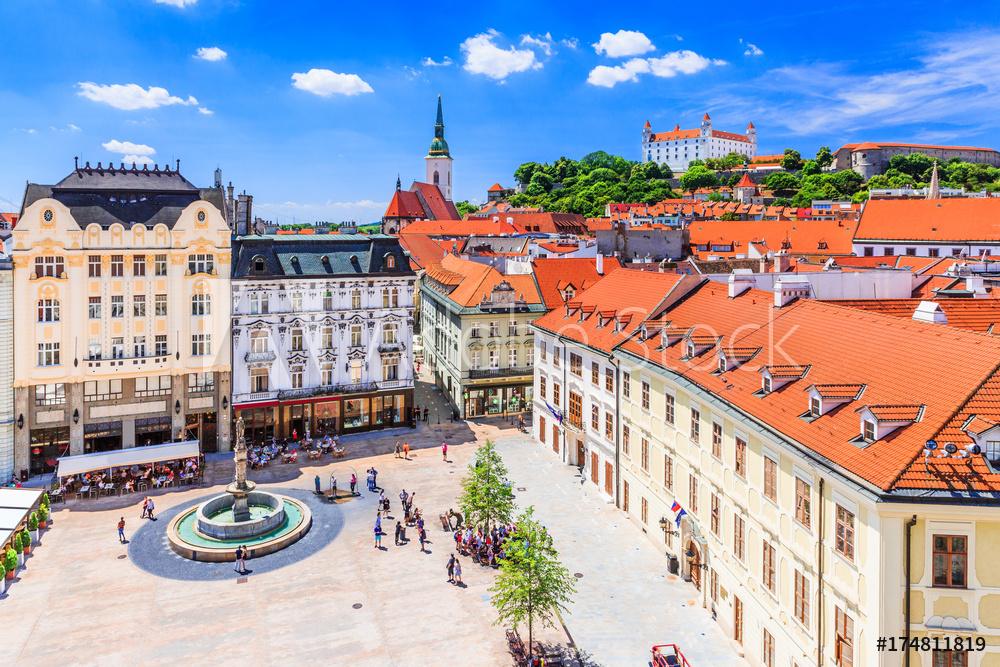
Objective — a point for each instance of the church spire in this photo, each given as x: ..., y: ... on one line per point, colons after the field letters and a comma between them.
x: 439, y: 147
x: 398, y: 184
x: 934, y: 190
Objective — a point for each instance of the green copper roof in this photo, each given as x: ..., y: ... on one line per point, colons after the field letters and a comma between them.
x: 439, y: 147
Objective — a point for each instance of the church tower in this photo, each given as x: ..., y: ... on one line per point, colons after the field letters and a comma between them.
x: 439, y: 159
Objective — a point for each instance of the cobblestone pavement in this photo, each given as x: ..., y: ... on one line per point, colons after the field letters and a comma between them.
x: 81, y: 601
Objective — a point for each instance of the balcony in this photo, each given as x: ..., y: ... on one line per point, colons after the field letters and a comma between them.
x: 487, y: 373
x: 260, y: 356
x: 574, y: 423
x: 254, y: 397
x: 331, y: 390
x: 391, y: 347
x: 150, y: 362
x: 394, y: 384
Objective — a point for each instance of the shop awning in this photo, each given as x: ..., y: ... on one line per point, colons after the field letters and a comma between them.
x: 20, y: 498
x: 120, y: 458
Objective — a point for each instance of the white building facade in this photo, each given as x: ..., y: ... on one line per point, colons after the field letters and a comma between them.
x: 678, y: 147
x: 322, y: 334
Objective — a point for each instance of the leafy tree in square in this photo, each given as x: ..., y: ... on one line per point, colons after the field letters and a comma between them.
x: 487, y: 498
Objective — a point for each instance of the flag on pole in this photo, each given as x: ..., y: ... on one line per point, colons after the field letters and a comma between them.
x: 676, y: 507
x: 555, y: 413
x: 678, y: 519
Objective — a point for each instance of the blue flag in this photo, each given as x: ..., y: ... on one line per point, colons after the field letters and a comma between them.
x: 678, y: 519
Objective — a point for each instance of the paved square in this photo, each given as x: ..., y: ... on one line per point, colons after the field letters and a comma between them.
x: 79, y: 601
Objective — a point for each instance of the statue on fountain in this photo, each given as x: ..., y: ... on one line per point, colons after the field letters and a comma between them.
x: 241, y: 487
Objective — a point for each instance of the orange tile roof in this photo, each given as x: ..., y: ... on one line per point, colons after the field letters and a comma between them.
x: 958, y: 220
x: 422, y: 248
x: 745, y: 182
x: 496, y: 188
x: 404, y: 205
x: 474, y: 281
x: 805, y: 236
x: 934, y: 284
x: 896, y: 363
x: 868, y: 145
x: 676, y: 134
x: 982, y: 315
x: 896, y: 413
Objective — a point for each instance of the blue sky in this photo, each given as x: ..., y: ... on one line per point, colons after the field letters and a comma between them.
x: 315, y: 107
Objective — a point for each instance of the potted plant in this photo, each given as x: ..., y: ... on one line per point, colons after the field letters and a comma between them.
x: 43, y: 516
x: 18, y: 548
x: 3, y: 578
x: 10, y: 562
x: 26, y: 541
x: 45, y: 499
x: 33, y: 526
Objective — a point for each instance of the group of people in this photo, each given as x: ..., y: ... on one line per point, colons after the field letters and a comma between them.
x: 154, y: 475
x: 485, y: 548
x: 411, y: 517
x: 372, y: 479
x: 416, y: 413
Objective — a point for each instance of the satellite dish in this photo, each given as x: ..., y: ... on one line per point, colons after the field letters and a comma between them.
x: 974, y: 449
x: 950, y: 447
x: 931, y: 445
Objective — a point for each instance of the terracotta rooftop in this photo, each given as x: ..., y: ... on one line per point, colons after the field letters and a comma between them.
x: 962, y: 221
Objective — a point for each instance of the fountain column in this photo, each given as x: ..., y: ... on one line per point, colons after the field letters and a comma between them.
x: 241, y: 487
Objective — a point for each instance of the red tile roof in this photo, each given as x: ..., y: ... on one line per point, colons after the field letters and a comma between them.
x: 745, y: 182
x: 555, y: 274
x: 868, y: 145
x: 805, y: 236
x: 473, y: 281
x: 958, y: 220
x: 423, y: 201
x: 422, y: 248
x: 981, y: 315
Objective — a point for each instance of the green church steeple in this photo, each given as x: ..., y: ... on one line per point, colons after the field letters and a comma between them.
x: 439, y: 147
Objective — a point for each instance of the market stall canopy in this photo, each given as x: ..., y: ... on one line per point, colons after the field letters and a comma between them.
x: 121, y: 458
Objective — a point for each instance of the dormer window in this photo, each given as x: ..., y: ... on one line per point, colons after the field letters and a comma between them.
x: 722, y: 364
x: 766, y: 384
x: 815, y: 408
x: 259, y: 265
x: 869, y: 430
x: 690, y: 349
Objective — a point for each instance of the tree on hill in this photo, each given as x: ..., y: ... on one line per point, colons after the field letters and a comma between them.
x: 810, y: 168
x: 699, y: 177
x: 732, y: 160
x: 597, y: 159
x: 524, y: 173
x: 791, y: 160
x: 914, y: 164
x: 464, y: 208
x: 781, y: 182
x: 540, y: 183
x: 824, y: 158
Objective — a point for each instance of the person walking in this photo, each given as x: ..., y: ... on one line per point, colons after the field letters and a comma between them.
x: 240, y: 566
x: 378, y: 531
x: 395, y: 452
x: 354, y: 482
x: 406, y: 451
x: 403, y: 495
x: 145, y: 507
x: 375, y: 486
x: 458, y: 571
x: 444, y: 451
x: 318, y: 489
x: 423, y: 536
x: 370, y: 485
x: 121, y: 530
x: 149, y: 508
x: 451, y: 569
x: 399, y: 532
x: 426, y: 413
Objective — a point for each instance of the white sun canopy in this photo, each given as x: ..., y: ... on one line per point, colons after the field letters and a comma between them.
x: 120, y: 458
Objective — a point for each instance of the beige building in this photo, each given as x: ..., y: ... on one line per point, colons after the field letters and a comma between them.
x: 823, y: 476
x: 121, y: 292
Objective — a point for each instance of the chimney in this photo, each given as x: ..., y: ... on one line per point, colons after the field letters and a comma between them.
x: 788, y: 288
x: 740, y: 280
x: 600, y: 265
x: 930, y: 312
x: 975, y: 285
x: 782, y: 262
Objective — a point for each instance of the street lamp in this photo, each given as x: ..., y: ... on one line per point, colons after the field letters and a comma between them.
x: 663, y: 525
x: 177, y: 406
x: 20, y: 421
x: 690, y: 556
x: 76, y: 416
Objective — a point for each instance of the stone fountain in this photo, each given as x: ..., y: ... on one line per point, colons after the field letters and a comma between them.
x: 263, y: 522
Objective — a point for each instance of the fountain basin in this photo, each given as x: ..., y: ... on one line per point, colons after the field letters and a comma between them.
x: 214, y: 517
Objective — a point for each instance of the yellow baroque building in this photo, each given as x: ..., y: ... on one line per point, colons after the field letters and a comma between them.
x: 121, y: 295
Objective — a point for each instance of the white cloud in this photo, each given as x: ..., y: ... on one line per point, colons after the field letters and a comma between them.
x: 127, y: 147
x: 325, y: 83
x: 138, y: 159
x: 607, y: 77
x: 952, y: 82
x: 570, y: 42
x: 752, y: 50
x: 25, y: 130
x: 680, y: 62
x: 669, y: 65
x: 176, y: 3
x: 131, y: 96
x: 429, y: 62
x: 623, y: 43
x: 482, y: 56
x: 211, y: 53
x: 73, y: 128
x: 542, y: 42
x: 207, y: 112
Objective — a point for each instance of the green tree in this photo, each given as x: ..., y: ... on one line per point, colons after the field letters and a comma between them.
x: 733, y: 160
x: 914, y: 164
x: 781, y: 182
x: 733, y: 180
x: 699, y: 177
x: 729, y: 216
x: 520, y: 200
x: 781, y: 201
x: 824, y: 158
x: 524, y: 173
x: 810, y: 168
x: 540, y: 183
x: 532, y: 584
x: 597, y: 159
x: 486, y: 498
x: 464, y: 208
x: 791, y: 160
x: 696, y: 163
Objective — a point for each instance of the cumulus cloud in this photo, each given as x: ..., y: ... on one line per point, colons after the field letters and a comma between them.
x: 623, y: 43
x: 176, y: 3
x: 752, y: 50
x: 430, y: 62
x: 211, y: 53
x: 483, y: 56
x: 542, y: 42
x: 669, y: 65
x: 138, y: 159
x: 607, y: 77
x: 131, y: 96
x: 128, y: 148
x: 207, y: 112
x: 25, y: 130
x: 570, y: 42
x: 325, y: 83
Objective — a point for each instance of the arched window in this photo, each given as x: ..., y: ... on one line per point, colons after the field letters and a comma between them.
x: 390, y: 261
x: 259, y: 265
x: 48, y: 310
x: 437, y: 178
x: 201, y: 304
